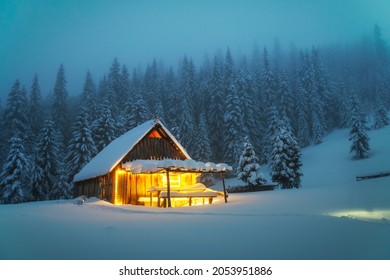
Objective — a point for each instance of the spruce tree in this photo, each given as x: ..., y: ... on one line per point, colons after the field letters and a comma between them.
x: 285, y: 159
x: 61, y: 188
x: 234, y: 127
x: 60, y: 105
x: 81, y: 147
x: 14, y: 187
x: 113, y: 88
x: 285, y: 99
x: 249, y: 169
x: 267, y: 99
x: 358, y: 132
x: 186, y: 125
x: 35, y: 114
x: 88, y: 99
x: 138, y: 113
x: 267, y: 82
x: 274, y: 125
x: 105, y: 128
x: 171, y: 100
x: 49, y: 159
x: 301, y: 105
x: 38, y: 185
x: 14, y: 121
x: 380, y: 114
x: 203, y: 150
x: 216, y: 112
x: 124, y: 89
x: 151, y: 84
x: 244, y: 91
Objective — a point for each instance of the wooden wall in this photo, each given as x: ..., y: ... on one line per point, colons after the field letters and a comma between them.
x: 156, y: 148
x: 121, y: 187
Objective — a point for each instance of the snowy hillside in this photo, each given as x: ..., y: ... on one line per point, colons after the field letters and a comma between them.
x: 331, y: 217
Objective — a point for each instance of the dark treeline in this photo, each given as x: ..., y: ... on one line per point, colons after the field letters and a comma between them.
x: 211, y: 108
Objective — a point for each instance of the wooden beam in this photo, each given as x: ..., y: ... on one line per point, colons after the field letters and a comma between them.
x: 168, y: 190
x: 224, y: 188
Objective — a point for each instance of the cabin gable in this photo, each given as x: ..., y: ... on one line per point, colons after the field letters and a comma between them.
x: 155, y: 145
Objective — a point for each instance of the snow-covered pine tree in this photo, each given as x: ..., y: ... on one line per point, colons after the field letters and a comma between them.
x: 285, y: 159
x: 49, y: 157
x: 35, y: 114
x: 203, y: 151
x: 202, y: 143
x: 14, y: 187
x: 266, y: 99
x: 339, y: 105
x: 14, y: 121
x: 189, y: 87
x: 105, y: 128
x: 36, y: 180
x: 244, y: 91
x: 248, y: 169
x: 216, y: 112
x: 88, y: 99
x: 285, y: 100
x: 185, y: 117
x: 186, y: 125
x: 61, y: 188
x: 234, y: 127
x: 301, y: 107
x: 60, y: 105
x: 274, y: 125
x: 381, y: 118
x: 321, y: 99
x: 203, y: 90
x: 113, y: 88
x: 159, y: 111
x: 151, y: 84
x: 267, y: 81
x: 124, y: 89
x: 311, y: 85
x: 138, y: 113
x: 358, y: 133
x: 81, y: 147
x: 171, y: 98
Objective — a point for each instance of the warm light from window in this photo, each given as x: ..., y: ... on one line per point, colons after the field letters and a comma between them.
x: 154, y: 134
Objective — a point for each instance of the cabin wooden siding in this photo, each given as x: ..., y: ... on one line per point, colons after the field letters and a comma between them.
x: 151, y: 146
x: 100, y: 187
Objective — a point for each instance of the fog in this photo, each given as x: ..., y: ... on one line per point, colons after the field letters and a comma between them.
x: 37, y: 36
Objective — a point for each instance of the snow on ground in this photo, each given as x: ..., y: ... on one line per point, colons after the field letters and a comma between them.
x: 331, y: 217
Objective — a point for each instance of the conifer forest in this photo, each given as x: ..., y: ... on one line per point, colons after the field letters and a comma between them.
x: 272, y: 102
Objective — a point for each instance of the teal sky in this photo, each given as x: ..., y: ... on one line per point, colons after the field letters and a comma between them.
x: 37, y: 35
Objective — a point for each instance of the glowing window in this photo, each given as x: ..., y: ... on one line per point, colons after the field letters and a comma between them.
x: 154, y: 134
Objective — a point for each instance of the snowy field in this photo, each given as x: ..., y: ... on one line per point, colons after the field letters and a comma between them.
x: 331, y: 217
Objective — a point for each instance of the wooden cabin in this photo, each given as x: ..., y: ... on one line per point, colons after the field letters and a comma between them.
x: 146, y: 166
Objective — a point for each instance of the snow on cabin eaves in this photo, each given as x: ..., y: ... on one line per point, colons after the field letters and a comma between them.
x: 105, y: 161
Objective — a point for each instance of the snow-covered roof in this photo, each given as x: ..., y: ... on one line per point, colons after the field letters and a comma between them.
x: 105, y: 161
x: 152, y: 166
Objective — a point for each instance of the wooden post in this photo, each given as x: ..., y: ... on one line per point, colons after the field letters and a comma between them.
x: 168, y: 190
x: 224, y: 188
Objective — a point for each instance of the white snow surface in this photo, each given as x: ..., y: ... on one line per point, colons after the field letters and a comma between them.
x: 114, y: 152
x: 332, y: 216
